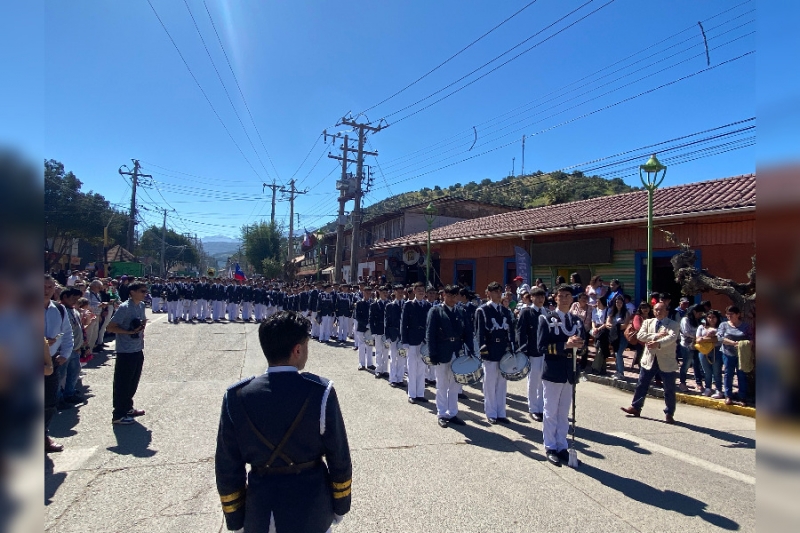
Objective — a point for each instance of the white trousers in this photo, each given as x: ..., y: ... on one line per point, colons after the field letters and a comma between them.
x: 193, y: 309
x: 91, y: 333
x: 416, y: 373
x: 314, y: 325
x: 172, y: 311
x: 344, y: 327
x: 381, y: 356
x: 247, y: 310
x: 259, y: 312
x: 326, y: 328
x: 202, y: 309
x: 397, y: 364
x: 557, y: 401
x: 217, y: 309
x: 535, y: 394
x: 446, y: 390
x: 430, y: 375
x: 186, y: 309
x: 233, y: 311
x: 494, y: 390
x: 364, y: 351
x: 156, y: 304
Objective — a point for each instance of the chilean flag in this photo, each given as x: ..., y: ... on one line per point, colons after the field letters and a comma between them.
x: 238, y: 274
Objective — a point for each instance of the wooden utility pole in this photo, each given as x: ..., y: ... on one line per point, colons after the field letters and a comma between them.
x: 362, y: 137
x: 522, y: 170
x: 164, y: 246
x: 292, y: 192
x: 343, y: 197
x: 274, y: 188
x: 135, y: 175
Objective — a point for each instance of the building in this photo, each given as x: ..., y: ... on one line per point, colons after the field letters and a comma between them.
x: 604, y: 236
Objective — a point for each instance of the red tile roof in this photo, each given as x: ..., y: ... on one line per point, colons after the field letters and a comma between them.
x: 705, y: 197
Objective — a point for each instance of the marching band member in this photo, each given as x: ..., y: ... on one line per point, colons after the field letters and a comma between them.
x: 393, y: 312
x: 447, y: 330
x: 325, y: 311
x: 344, y: 309
x: 559, y: 332
x: 377, y: 315
x: 312, y: 306
x: 495, y: 336
x: 361, y: 316
x: 527, y: 329
x: 412, y: 334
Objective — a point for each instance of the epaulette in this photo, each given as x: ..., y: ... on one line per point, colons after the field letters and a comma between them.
x: 244, y: 381
x: 319, y: 380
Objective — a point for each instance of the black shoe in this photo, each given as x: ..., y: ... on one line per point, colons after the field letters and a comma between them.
x: 563, y: 455
x: 443, y: 422
x: 74, y: 399
x: 462, y: 396
x: 378, y: 375
x: 393, y: 385
x: 362, y: 367
x: 371, y: 367
x: 538, y: 417
x: 491, y: 420
x: 457, y: 421
x: 552, y: 456
x: 503, y: 420
x: 385, y: 375
x: 422, y: 399
x: 412, y: 400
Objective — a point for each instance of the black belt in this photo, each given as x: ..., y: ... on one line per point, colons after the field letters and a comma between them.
x: 263, y: 470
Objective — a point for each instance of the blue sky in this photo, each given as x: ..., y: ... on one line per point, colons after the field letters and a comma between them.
x: 115, y: 88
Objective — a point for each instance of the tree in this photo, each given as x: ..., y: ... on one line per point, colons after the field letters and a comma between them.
x: 271, y: 268
x: 261, y: 240
x: 178, y: 249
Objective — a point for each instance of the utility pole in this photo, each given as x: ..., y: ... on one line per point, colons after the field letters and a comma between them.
x: 292, y: 192
x: 513, y: 162
x: 362, y: 137
x: 164, y: 246
x: 135, y: 175
x: 522, y: 170
x: 274, y: 188
x: 343, y: 197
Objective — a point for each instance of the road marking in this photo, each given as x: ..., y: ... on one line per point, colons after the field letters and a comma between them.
x: 686, y: 458
x: 72, y: 458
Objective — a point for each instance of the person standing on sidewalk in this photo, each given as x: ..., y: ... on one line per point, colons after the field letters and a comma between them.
x: 659, y: 336
x: 128, y: 325
x: 58, y: 335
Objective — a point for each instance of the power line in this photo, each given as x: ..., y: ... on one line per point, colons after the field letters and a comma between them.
x: 443, y: 63
x: 174, y: 44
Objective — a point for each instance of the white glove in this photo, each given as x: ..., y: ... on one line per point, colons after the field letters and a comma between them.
x: 240, y: 530
x: 337, y: 519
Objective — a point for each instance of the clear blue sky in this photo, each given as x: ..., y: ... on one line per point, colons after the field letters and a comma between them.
x: 115, y: 88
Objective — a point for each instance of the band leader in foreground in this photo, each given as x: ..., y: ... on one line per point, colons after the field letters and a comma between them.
x: 283, y: 423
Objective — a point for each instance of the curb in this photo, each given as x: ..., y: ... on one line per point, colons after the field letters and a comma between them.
x: 689, y: 399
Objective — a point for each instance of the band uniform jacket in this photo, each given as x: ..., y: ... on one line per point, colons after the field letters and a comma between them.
x: 665, y: 354
x: 554, y: 332
x: 171, y: 292
x: 305, y: 298
x: 495, y: 330
x: 289, y: 482
x: 377, y: 314
x: 527, y: 329
x: 325, y: 304
x: 447, y: 331
x: 361, y: 314
x: 344, y: 304
x: 313, y: 295
x: 391, y: 321
x: 413, y: 320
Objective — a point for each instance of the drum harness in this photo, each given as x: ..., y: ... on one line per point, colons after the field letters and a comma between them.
x: 277, y: 451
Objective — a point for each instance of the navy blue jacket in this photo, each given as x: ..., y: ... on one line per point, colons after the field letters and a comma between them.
x: 446, y: 332
x: 271, y: 402
x: 413, y: 321
x: 325, y: 303
x: 552, y: 336
x: 344, y: 304
x: 361, y: 314
x: 377, y: 314
x: 527, y: 329
x: 391, y: 320
x: 495, y: 330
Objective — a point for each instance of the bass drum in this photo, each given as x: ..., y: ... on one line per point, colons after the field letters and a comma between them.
x: 467, y: 370
x: 514, y: 366
x: 425, y: 354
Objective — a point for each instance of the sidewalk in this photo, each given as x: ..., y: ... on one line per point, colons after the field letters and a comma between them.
x: 692, y: 397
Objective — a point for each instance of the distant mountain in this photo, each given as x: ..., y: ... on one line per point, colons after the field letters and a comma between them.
x: 218, y: 245
x: 220, y: 238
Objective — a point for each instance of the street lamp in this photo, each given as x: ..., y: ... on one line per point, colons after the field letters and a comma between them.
x: 320, y: 235
x: 430, y: 216
x: 651, y: 183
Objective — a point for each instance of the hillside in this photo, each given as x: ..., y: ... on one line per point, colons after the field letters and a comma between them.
x: 533, y: 190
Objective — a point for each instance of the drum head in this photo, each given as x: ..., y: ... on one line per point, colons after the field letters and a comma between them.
x: 514, y: 367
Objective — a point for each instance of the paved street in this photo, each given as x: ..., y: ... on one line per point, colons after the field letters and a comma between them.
x: 409, y: 475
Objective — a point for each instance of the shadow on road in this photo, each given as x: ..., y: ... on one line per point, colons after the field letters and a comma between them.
x: 133, y: 440
x: 52, y: 480
x: 731, y: 439
x: 663, y: 499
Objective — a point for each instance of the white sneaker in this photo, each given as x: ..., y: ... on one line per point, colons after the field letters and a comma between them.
x: 707, y: 392
x: 717, y: 396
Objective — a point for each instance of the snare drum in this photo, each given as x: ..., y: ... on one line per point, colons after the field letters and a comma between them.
x: 425, y: 354
x: 467, y: 370
x: 515, y: 366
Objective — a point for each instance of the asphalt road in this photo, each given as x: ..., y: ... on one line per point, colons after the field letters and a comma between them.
x: 409, y: 475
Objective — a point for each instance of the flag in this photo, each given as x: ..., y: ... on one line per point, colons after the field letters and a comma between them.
x: 309, y: 241
x: 238, y: 274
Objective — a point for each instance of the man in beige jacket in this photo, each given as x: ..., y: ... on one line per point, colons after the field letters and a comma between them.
x: 658, y: 335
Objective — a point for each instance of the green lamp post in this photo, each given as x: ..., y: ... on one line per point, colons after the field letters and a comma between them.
x: 430, y: 216
x: 320, y: 235
x: 651, y: 180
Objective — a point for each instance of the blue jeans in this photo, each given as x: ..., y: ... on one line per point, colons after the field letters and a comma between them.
x: 73, y: 371
x: 645, y: 377
x: 689, y: 358
x: 620, y: 344
x: 731, y: 368
x: 713, y: 370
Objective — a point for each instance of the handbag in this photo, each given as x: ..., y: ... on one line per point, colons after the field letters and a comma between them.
x: 631, y: 335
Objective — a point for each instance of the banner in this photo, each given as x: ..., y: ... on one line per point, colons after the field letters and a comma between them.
x: 523, y: 260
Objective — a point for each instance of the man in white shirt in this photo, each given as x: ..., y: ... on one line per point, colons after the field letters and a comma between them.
x: 522, y: 287
x: 58, y: 334
x: 658, y: 335
x: 72, y: 279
